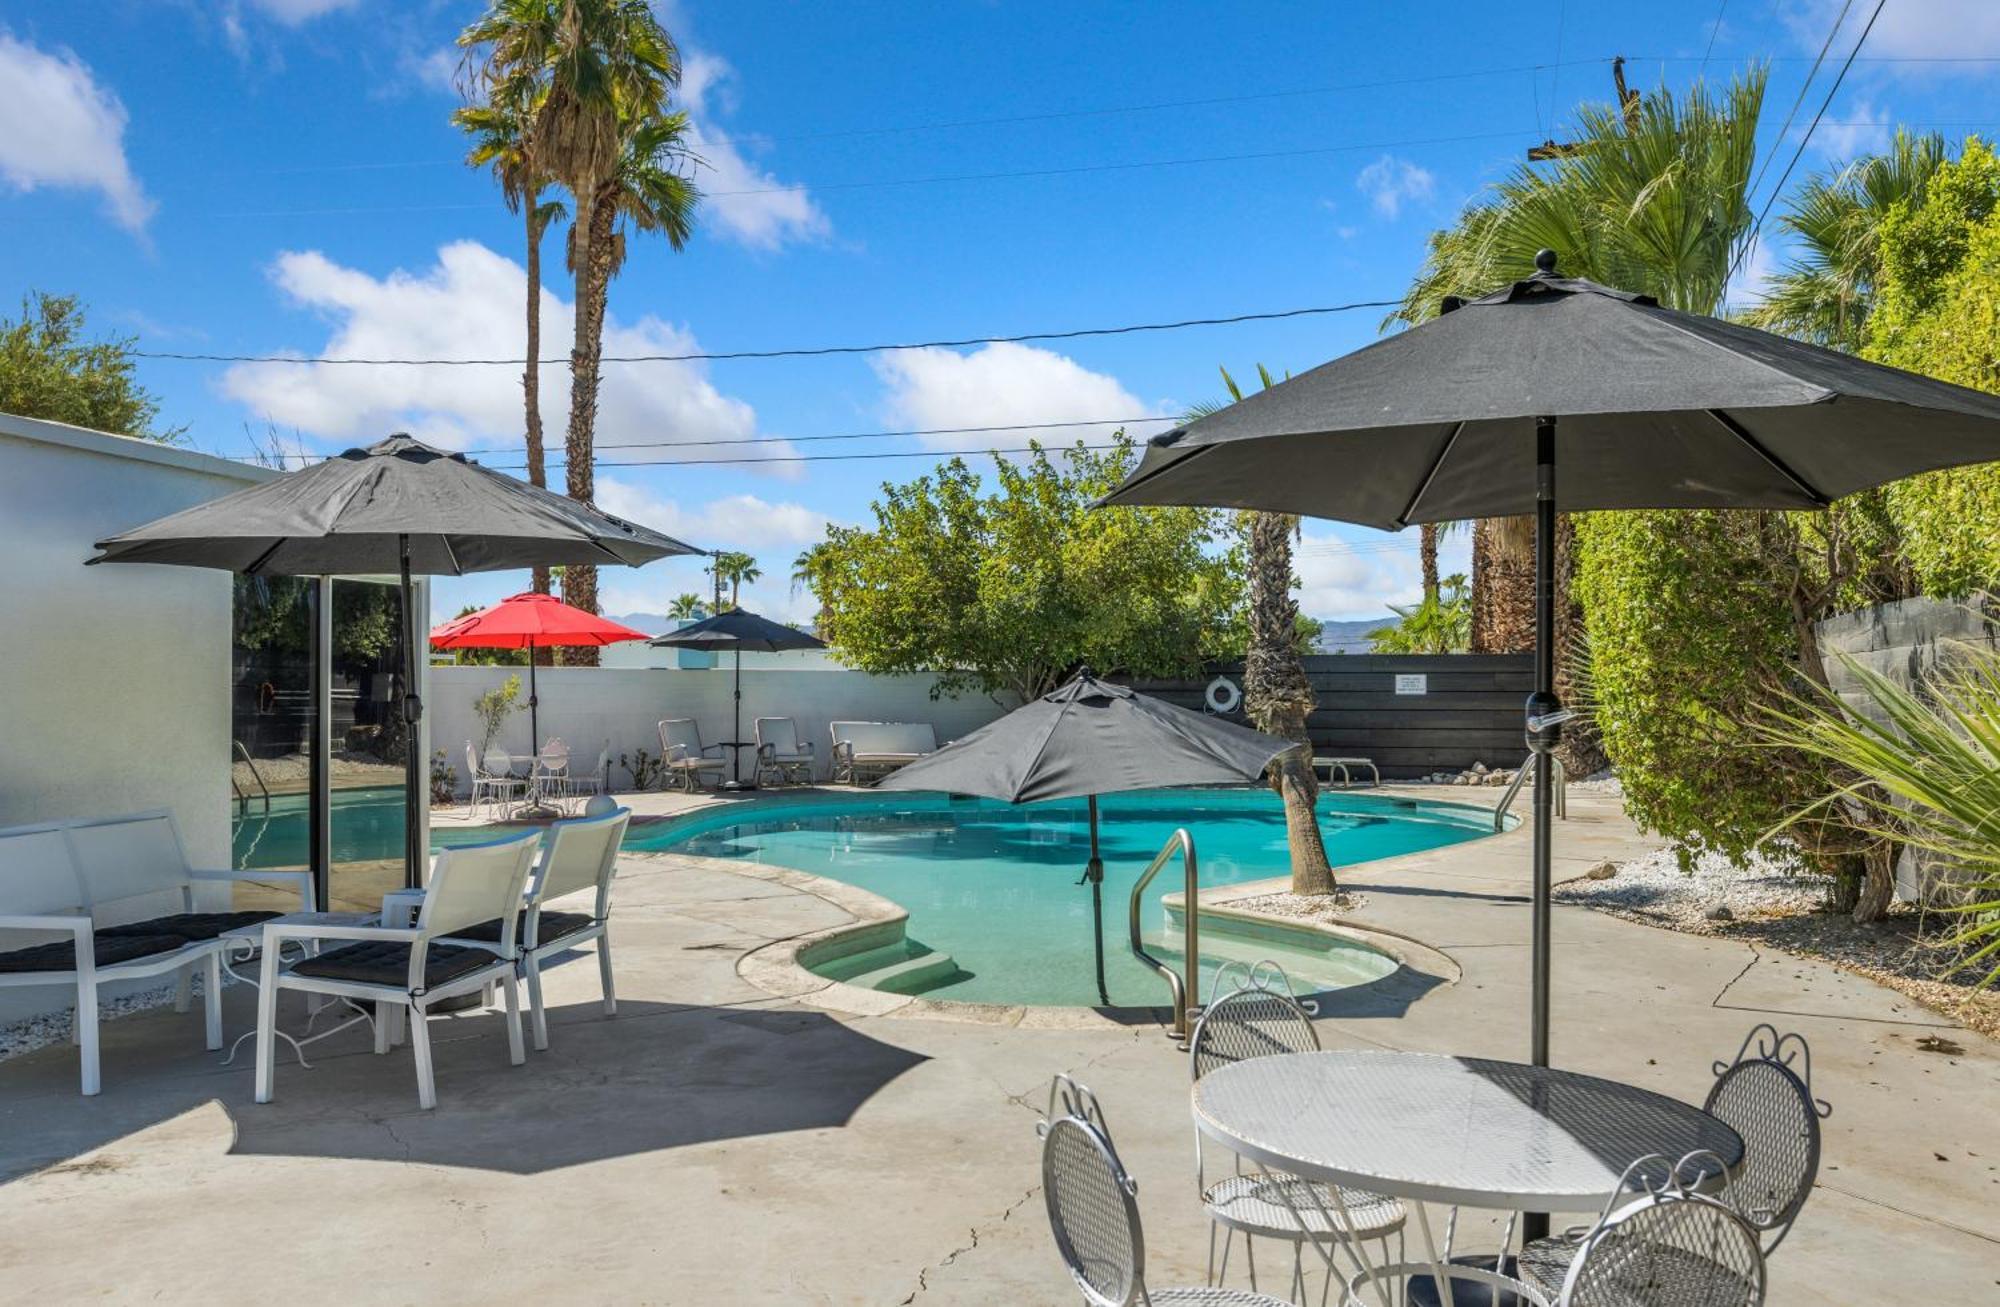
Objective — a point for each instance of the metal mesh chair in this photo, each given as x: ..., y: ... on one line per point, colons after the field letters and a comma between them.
x: 1258, y: 1017
x: 1094, y: 1211
x: 1765, y: 1095
x: 1669, y: 1248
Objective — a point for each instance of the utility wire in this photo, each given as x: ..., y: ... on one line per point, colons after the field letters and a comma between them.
x: 808, y: 458
x: 1714, y: 30
x: 1839, y: 20
x: 813, y: 352
x: 606, y: 446
x: 1832, y: 91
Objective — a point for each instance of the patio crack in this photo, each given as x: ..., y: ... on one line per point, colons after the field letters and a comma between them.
x: 972, y: 1235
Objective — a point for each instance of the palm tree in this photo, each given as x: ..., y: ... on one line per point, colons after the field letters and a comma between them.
x: 1824, y: 291
x: 733, y: 568
x: 599, y: 73
x: 1653, y: 197
x: 1277, y: 696
x: 502, y: 139
x: 686, y: 608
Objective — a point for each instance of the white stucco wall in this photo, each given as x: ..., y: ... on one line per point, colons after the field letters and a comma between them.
x: 117, y: 687
x: 585, y: 706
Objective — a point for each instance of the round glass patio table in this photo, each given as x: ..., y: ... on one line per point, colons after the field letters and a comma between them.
x: 1456, y: 1130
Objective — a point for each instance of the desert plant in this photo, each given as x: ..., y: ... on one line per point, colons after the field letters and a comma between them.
x: 647, y: 771
x: 494, y: 707
x: 1935, y: 752
x: 1441, y: 623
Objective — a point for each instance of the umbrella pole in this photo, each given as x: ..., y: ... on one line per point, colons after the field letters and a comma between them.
x: 413, y: 712
x: 1544, y: 721
x: 1094, y: 873
x: 736, y: 722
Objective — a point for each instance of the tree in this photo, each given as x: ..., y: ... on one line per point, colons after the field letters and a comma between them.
x: 604, y: 69
x: 49, y: 371
x: 1011, y: 589
x: 686, y: 608
x: 1827, y: 286
x: 1440, y: 623
x: 1277, y: 695
x: 502, y: 132
x: 733, y: 568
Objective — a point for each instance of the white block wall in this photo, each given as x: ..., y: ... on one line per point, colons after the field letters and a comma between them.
x: 585, y: 706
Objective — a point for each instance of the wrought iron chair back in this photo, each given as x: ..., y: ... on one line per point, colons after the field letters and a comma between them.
x: 1669, y: 1247
x: 1092, y: 1202
x: 1765, y: 1095
x: 1256, y: 1018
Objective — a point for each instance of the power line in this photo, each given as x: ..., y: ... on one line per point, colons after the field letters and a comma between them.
x: 1714, y: 30
x: 941, y: 179
x: 479, y: 451
x: 1832, y: 91
x: 1804, y: 87
x: 806, y: 352
x: 808, y: 458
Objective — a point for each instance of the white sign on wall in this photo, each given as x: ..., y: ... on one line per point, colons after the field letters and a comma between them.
x: 1412, y: 683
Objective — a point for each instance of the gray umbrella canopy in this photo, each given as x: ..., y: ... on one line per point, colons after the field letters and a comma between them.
x: 1091, y: 737
x: 1086, y: 738
x: 351, y: 514
x: 399, y: 506
x: 1474, y: 413
x: 1655, y: 409
x: 739, y: 629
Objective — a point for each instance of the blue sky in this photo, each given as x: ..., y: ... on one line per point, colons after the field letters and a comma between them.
x: 278, y: 177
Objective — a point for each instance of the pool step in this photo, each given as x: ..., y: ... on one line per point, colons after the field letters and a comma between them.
x: 909, y: 975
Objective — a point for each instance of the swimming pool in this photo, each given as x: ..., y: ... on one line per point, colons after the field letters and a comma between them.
x: 367, y: 827
x: 995, y: 911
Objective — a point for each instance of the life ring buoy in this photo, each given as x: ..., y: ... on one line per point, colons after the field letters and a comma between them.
x: 1223, y: 695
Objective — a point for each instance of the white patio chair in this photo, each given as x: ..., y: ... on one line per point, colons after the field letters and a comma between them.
x: 685, y: 757
x: 577, y: 855
x: 581, y: 786
x: 781, y: 754
x: 492, y: 779
x: 1257, y: 1017
x: 1765, y: 1095
x: 411, y: 967
x: 1094, y: 1211
x: 548, y: 774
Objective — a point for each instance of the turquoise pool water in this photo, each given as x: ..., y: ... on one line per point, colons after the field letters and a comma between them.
x: 367, y: 827
x: 993, y: 888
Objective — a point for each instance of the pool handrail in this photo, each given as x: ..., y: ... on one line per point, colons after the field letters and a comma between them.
x: 1182, y: 842
x: 1521, y: 774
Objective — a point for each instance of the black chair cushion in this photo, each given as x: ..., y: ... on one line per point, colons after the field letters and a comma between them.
x: 555, y: 925
x: 111, y: 949
x: 387, y: 962
x: 190, y: 925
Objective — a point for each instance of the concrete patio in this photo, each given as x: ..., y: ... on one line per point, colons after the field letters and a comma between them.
x: 716, y: 1142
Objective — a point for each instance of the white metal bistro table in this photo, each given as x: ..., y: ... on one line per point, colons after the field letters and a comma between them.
x: 1464, y: 1132
x: 247, y: 942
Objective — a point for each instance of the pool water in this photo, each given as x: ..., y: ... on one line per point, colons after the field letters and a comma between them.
x: 367, y: 827
x: 996, y: 913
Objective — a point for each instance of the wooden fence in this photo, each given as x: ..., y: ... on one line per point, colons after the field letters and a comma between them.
x: 1414, y: 714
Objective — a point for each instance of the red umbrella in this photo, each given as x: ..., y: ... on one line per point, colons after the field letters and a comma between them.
x: 531, y: 621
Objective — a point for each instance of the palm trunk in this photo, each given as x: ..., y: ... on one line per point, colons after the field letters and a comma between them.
x: 1503, y: 590
x: 1427, y: 553
x: 1278, y: 697
x: 531, y: 374
x: 592, y: 226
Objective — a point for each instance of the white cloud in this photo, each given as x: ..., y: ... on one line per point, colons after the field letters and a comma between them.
x: 1003, y: 385
x: 1747, y: 286
x: 60, y: 127
x: 435, y: 70
x: 469, y: 305
x: 297, y: 13
x: 1347, y: 580
x: 1862, y: 129
x: 1906, y: 29
x: 747, y: 522
x: 1390, y: 182
x: 742, y: 201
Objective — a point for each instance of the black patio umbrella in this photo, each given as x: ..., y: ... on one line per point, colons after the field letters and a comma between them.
x: 397, y: 506
x: 1090, y: 737
x: 739, y: 629
x: 1471, y: 414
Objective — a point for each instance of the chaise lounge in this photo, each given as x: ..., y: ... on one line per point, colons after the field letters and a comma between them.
x: 871, y: 750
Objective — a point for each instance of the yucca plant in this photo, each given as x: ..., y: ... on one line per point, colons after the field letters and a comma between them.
x: 1936, y: 755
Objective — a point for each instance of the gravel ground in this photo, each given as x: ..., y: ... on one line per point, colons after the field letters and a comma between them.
x: 31, y: 1033
x: 1764, y: 904
x: 1305, y: 907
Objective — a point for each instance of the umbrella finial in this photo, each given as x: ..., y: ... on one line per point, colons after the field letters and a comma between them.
x: 1545, y: 262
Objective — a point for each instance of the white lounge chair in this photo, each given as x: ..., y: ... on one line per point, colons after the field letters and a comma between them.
x: 411, y: 967
x: 781, y: 755
x: 872, y: 750
x: 76, y: 879
x: 577, y: 855
x: 685, y: 757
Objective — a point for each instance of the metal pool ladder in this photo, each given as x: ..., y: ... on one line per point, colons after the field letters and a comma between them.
x: 1183, y: 843
x: 242, y: 799
x: 1521, y: 773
